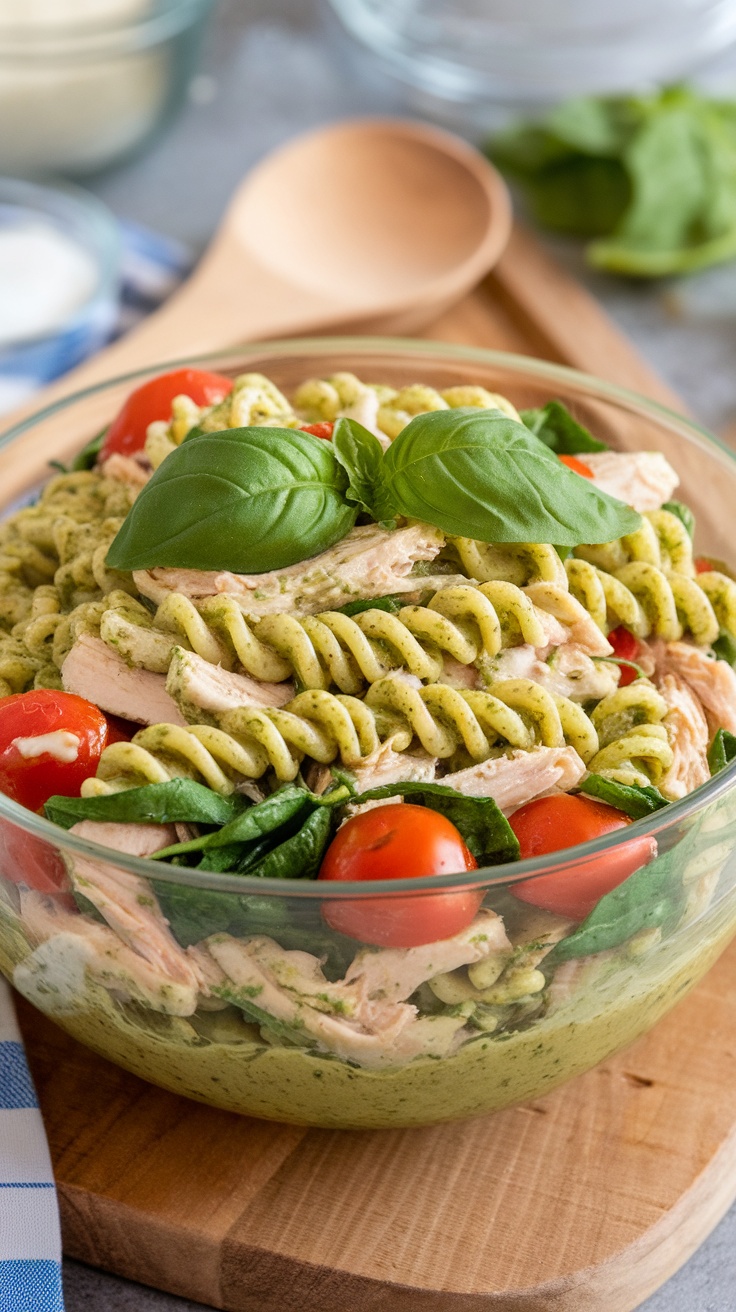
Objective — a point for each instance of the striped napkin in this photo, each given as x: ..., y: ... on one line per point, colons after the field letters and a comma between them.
x: 30, y: 1242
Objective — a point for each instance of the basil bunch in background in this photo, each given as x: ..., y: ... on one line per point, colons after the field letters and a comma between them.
x: 258, y: 499
x: 651, y: 179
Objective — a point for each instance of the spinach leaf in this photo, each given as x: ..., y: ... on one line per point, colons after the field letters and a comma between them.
x: 722, y: 751
x: 390, y: 604
x: 176, y: 800
x: 476, y: 473
x: 725, y: 648
x: 300, y: 856
x: 248, y: 500
x: 554, y: 425
x: 651, y: 898
x: 485, y: 829
x: 683, y: 513
x: 634, y: 800
x: 361, y: 455
x: 653, y: 177
x: 251, y: 824
x: 194, y: 913
x: 87, y: 457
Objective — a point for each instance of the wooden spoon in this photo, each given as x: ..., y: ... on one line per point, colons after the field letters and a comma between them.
x: 373, y: 224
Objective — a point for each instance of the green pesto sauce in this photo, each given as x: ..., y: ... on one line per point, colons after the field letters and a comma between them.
x: 218, y: 1058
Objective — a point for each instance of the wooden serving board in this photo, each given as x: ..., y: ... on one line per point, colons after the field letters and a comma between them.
x: 583, y: 1201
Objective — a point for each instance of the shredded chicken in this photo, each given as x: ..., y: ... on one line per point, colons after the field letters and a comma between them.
x: 569, y: 671
x: 72, y: 948
x: 195, y: 685
x: 578, y: 625
x: 643, y: 479
x: 368, y: 562
x: 712, y: 681
x: 364, y: 1017
x: 126, y: 469
x: 517, y: 778
x: 687, y: 730
x: 126, y: 901
x: 93, y: 670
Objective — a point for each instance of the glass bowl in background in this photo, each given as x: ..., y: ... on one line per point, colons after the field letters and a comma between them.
x: 481, y: 61
x: 515, y: 1010
x: 64, y: 309
x: 84, y: 86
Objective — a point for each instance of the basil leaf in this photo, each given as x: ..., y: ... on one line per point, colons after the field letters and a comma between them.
x: 478, y: 474
x: 247, y: 499
x: 651, y: 898
x: 361, y: 455
x: 485, y: 829
x: 391, y: 604
x: 180, y: 800
x: 554, y: 425
x: 635, y: 800
x: 722, y: 751
x: 725, y: 648
x: 683, y: 513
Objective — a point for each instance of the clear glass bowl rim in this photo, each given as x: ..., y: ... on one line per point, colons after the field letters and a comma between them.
x: 488, y: 876
x: 165, y: 19
x: 56, y: 199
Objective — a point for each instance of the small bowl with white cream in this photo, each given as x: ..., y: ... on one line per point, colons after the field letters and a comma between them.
x: 59, y: 278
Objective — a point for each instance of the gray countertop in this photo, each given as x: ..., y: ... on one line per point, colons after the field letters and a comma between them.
x: 273, y: 68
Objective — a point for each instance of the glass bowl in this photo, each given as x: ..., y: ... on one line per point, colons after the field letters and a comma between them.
x: 78, y: 95
x: 32, y: 359
x: 331, y: 1038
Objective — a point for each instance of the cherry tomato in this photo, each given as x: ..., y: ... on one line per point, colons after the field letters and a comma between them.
x: 324, y: 430
x: 32, y: 779
x: 551, y: 823
x: 25, y: 859
x: 127, y: 432
x: 399, y: 841
x: 576, y: 466
x: 703, y: 565
x: 626, y: 646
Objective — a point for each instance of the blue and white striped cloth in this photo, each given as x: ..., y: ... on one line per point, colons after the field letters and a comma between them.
x: 30, y: 1242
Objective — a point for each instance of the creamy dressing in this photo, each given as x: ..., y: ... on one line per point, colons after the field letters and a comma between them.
x: 60, y: 744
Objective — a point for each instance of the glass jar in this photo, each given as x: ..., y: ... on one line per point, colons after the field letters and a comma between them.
x: 82, y: 86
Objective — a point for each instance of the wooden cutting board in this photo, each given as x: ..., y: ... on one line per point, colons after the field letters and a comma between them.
x: 583, y: 1201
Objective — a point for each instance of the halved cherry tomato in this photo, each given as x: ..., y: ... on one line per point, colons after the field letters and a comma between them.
x: 25, y: 859
x: 552, y: 823
x: 626, y: 646
x: 32, y: 770
x: 576, y: 466
x: 151, y: 401
x: 324, y: 429
x: 399, y: 841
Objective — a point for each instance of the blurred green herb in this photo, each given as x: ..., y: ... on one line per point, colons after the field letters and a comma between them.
x: 652, y: 179
x: 554, y: 425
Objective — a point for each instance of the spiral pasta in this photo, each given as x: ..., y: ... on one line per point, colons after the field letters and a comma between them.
x: 445, y: 722
x: 327, y: 398
x: 463, y: 622
x: 634, y: 745
x: 253, y: 401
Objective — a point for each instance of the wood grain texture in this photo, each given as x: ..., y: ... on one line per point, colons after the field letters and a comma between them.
x: 583, y: 1201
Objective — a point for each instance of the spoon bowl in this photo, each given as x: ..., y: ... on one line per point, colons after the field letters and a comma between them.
x: 375, y: 224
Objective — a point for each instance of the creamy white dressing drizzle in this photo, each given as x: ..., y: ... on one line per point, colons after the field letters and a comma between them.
x: 60, y: 744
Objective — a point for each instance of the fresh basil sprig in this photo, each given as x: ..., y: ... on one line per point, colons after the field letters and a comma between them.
x: 247, y: 499
x: 479, y: 474
x: 554, y: 425
x: 361, y: 456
